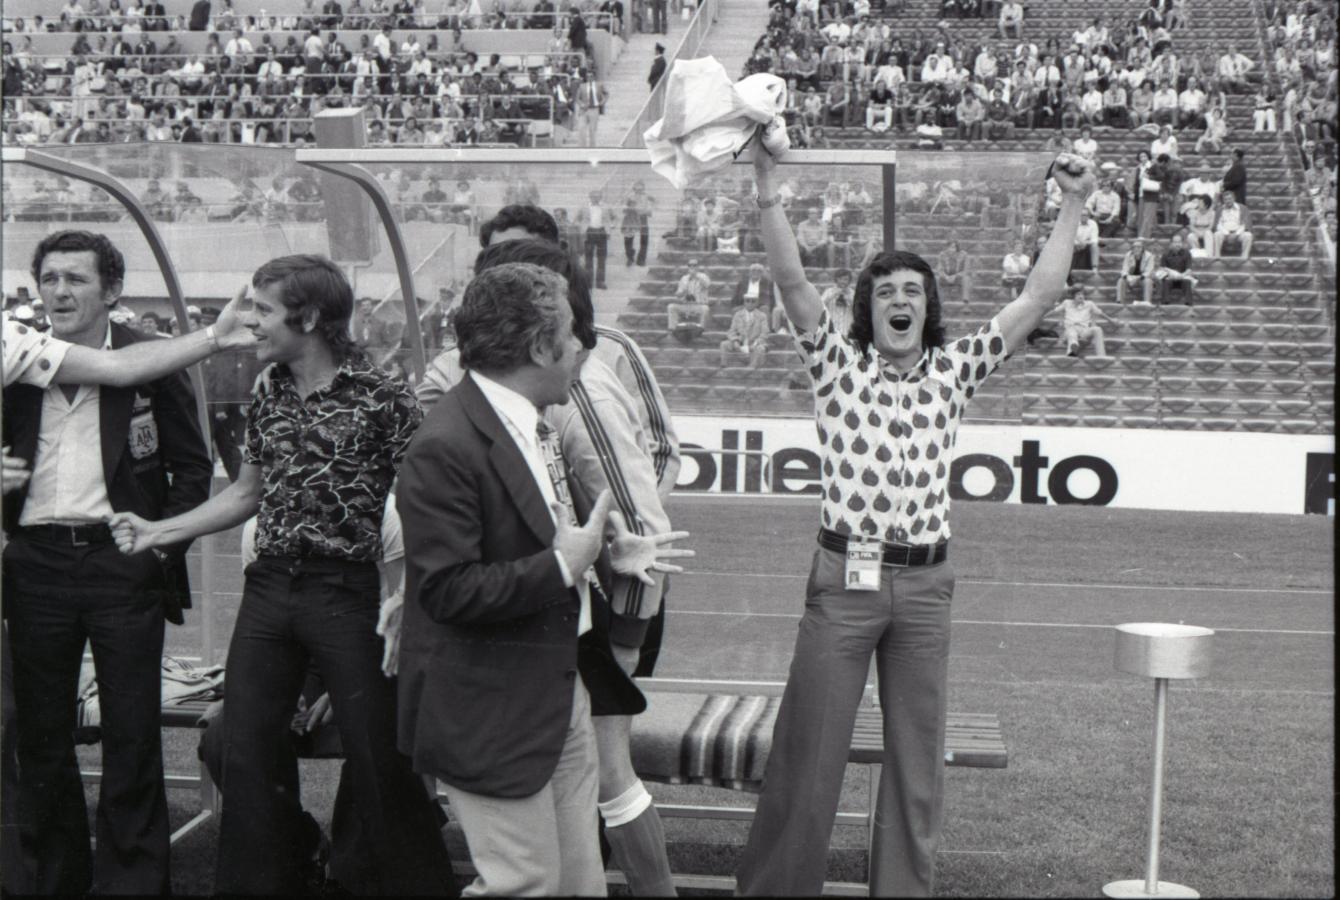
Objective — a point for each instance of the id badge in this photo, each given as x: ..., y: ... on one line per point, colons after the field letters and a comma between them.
x: 863, y: 564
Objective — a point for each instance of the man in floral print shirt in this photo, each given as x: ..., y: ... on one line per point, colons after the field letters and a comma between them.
x: 325, y: 437
x: 889, y: 395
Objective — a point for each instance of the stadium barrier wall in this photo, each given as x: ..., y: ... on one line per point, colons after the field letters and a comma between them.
x: 1157, y: 469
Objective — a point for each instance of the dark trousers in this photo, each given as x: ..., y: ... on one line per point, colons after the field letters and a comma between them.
x: 597, y: 248
x: 13, y: 868
x: 57, y: 597
x: 350, y: 852
x: 905, y: 625
x: 325, y: 611
x: 658, y: 23
x: 643, y: 236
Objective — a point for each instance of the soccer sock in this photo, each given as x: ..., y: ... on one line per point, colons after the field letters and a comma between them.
x: 634, y: 830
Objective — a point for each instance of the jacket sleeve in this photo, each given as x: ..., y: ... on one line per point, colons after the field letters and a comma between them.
x: 626, y: 471
x: 182, y: 446
x: 444, y: 521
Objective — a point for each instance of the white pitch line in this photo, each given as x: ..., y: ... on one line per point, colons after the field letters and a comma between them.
x: 754, y: 615
x: 1057, y: 584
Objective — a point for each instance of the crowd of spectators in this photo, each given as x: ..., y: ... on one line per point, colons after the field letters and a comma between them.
x: 847, y: 68
x: 260, y: 79
x: 1302, y: 38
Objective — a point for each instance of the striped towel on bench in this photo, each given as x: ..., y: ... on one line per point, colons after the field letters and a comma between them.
x: 713, y: 739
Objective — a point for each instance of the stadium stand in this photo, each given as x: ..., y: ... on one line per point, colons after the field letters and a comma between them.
x: 1194, y: 367
x: 1254, y: 352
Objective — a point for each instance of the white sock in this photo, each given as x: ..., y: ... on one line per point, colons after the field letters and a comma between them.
x: 626, y: 807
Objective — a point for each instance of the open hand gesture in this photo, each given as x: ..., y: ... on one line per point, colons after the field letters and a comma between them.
x: 579, y: 547
x: 231, y: 334
x: 639, y: 555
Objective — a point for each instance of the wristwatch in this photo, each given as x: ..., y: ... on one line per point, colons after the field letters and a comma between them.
x: 771, y: 201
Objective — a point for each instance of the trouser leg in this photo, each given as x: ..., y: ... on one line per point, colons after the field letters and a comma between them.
x: 260, y: 825
x: 644, y: 235
x: 337, y: 625
x: 132, y: 819
x: 913, y: 662
x: 13, y: 865
x: 787, y: 850
x: 48, y: 645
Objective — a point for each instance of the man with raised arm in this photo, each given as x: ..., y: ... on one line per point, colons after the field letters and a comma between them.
x: 889, y: 396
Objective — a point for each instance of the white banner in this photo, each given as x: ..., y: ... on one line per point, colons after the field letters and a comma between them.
x: 1198, y: 471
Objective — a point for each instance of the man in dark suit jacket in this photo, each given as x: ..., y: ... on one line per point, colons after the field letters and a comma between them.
x: 657, y: 67
x: 65, y: 582
x: 155, y: 16
x: 497, y: 595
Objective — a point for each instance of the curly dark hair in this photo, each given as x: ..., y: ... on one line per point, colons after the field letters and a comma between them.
x: 509, y: 310
x: 111, y: 264
x: 312, y: 283
x: 551, y: 256
x: 861, y: 332
x: 520, y: 215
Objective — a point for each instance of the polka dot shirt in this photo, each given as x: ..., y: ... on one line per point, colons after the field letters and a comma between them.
x: 31, y: 356
x: 887, y: 440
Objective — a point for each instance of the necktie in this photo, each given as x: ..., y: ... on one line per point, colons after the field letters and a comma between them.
x: 547, y: 439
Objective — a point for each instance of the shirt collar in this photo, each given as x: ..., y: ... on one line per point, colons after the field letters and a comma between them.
x: 913, y: 374
x: 515, y: 409
x: 355, y: 367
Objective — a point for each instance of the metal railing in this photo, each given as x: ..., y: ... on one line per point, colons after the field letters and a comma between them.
x: 687, y: 48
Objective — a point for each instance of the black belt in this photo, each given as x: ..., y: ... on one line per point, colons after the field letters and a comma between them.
x: 900, y: 556
x: 69, y: 535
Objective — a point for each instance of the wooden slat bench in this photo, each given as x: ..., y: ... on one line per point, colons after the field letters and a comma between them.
x: 972, y: 739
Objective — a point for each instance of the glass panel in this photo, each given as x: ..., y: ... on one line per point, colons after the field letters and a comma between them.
x: 222, y: 212
x: 979, y: 203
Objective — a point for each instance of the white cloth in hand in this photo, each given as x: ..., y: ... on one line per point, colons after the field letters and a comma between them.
x: 707, y: 119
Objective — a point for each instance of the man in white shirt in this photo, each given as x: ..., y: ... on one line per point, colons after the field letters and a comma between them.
x: 1086, y: 243
x: 94, y: 451
x: 1011, y: 21
x: 748, y: 335
x: 1166, y: 101
x: 1232, y: 223
x: 1204, y: 184
x: 1166, y: 142
x: 938, y: 66
x: 1232, y: 70
x: 238, y: 48
x: 1104, y: 205
x: 1015, y: 266
x: 1190, y: 105
x: 381, y: 44
x: 271, y: 66
x: 1077, y: 327
x: 686, y: 315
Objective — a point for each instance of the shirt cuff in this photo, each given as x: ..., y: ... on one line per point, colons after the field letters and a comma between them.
x: 568, y: 580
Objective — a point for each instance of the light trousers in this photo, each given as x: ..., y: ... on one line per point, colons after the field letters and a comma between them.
x: 905, y: 624
x: 546, y: 844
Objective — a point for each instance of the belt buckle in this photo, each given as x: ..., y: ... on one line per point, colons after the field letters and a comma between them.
x: 74, y: 537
